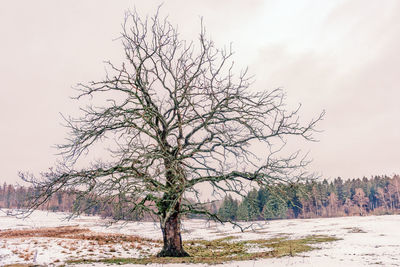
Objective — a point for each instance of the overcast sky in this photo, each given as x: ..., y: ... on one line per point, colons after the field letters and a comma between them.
x: 341, y: 56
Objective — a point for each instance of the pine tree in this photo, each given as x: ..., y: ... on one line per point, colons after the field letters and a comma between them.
x: 275, y: 208
x: 248, y: 209
x: 228, y: 209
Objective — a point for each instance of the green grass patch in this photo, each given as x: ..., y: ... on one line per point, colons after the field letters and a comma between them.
x: 229, y: 249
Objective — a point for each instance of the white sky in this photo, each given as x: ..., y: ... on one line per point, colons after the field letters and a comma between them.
x: 341, y: 56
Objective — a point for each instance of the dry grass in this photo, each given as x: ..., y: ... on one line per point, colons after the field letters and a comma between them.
x: 63, y: 231
x: 69, y: 238
x: 74, y: 232
x: 225, y: 250
x: 212, y: 252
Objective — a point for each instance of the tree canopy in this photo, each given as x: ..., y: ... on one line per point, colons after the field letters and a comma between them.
x: 178, y: 116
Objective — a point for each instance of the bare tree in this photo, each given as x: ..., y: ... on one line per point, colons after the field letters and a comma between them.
x: 178, y: 118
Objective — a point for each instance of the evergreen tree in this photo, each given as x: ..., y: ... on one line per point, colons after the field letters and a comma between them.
x: 294, y: 202
x: 275, y: 208
x: 228, y: 209
x: 248, y: 209
x: 262, y: 197
x: 242, y: 212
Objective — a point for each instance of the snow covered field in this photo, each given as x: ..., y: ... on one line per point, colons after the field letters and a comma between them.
x: 373, y: 240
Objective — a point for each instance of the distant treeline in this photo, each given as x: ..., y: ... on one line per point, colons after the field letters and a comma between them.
x: 19, y: 197
x: 378, y: 195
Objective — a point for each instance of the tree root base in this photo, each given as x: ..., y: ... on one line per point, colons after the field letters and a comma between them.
x: 172, y: 253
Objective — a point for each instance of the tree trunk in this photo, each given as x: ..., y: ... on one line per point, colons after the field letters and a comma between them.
x: 170, y: 211
x: 173, y: 246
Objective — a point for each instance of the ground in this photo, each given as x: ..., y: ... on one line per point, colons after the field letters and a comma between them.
x: 47, y: 238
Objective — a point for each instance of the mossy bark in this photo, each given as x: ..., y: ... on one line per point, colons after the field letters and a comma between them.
x: 173, y: 246
x: 169, y: 208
